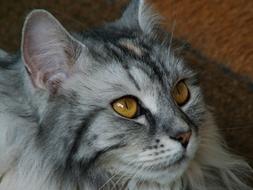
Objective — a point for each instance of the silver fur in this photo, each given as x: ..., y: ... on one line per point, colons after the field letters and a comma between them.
x: 59, y: 132
x: 2, y: 53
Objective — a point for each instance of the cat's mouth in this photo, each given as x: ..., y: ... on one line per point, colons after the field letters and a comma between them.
x: 165, y: 165
x: 161, y: 172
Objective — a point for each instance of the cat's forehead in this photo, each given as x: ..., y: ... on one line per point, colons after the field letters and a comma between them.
x: 144, y: 56
x: 129, y: 67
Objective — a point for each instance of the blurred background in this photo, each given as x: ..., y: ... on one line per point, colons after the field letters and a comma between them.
x: 220, y: 33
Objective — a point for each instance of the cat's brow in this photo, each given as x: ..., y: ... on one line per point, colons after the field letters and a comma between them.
x: 131, y: 47
x: 131, y: 77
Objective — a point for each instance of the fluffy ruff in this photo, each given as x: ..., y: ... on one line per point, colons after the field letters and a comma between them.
x: 212, y: 168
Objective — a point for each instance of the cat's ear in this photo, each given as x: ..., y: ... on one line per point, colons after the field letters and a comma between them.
x: 139, y: 14
x: 49, y: 52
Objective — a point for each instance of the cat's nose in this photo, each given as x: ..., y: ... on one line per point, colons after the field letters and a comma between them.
x: 183, y: 138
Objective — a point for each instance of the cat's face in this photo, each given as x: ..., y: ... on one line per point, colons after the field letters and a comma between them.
x: 146, y: 143
x: 118, y: 100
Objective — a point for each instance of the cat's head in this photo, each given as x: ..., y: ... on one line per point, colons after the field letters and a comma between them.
x: 117, y: 98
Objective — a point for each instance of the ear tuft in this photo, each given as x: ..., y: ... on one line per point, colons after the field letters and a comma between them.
x: 48, y: 50
x: 140, y: 15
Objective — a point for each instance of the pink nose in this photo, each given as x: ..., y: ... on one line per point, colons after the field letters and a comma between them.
x: 184, y: 138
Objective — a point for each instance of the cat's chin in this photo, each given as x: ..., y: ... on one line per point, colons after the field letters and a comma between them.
x: 162, y: 173
x: 166, y: 174
x: 155, y: 175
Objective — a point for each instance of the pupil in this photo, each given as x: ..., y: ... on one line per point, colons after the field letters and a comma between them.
x: 126, y: 104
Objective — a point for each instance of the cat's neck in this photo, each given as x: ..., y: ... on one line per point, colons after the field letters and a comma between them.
x: 17, y: 92
x: 124, y: 183
x: 147, y: 185
x: 18, y: 114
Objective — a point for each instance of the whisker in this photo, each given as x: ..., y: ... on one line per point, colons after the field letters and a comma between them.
x: 235, y: 128
x: 139, y: 169
x: 171, y: 37
x: 122, y: 176
x: 139, y: 179
x: 109, y: 180
x: 114, y: 175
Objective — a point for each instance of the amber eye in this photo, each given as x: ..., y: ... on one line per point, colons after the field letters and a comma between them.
x: 181, y: 93
x: 126, y: 106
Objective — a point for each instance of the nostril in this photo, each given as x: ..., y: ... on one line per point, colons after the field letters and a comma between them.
x: 183, y: 138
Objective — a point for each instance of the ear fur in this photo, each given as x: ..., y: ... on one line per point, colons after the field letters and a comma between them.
x: 48, y: 50
x: 139, y: 15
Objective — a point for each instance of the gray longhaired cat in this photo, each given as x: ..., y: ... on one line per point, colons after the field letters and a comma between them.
x: 113, y: 108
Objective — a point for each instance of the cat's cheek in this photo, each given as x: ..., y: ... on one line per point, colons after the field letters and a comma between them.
x: 192, y: 146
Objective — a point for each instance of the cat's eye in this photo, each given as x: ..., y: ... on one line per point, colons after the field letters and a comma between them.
x: 126, y: 106
x: 181, y: 93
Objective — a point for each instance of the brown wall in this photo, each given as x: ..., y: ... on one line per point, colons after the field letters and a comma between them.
x: 74, y: 14
x: 221, y: 29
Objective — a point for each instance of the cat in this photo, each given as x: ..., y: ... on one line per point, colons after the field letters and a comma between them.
x: 111, y: 108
